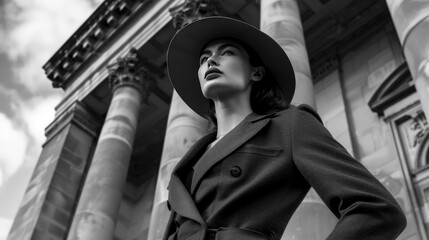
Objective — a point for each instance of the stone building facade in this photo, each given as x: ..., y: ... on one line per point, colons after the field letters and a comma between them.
x: 120, y: 128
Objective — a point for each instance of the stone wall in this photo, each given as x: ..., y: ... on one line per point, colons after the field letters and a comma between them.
x: 342, y: 101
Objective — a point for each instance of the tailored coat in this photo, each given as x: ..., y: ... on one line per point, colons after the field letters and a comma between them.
x: 248, y: 185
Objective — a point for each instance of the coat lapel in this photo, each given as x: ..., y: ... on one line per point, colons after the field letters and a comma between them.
x: 245, y: 130
x: 196, y: 149
x: 178, y: 195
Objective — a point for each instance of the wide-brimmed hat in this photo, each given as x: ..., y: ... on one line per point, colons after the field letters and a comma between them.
x: 185, y: 48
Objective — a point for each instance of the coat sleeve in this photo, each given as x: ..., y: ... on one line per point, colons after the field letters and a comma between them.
x: 364, y: 207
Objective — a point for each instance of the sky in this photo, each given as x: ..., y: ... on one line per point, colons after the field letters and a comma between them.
x: 31, y: 31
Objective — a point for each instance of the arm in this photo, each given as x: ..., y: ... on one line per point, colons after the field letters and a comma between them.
x: 364, y: 207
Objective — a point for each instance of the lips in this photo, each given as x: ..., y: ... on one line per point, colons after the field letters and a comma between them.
x: 212, y: 73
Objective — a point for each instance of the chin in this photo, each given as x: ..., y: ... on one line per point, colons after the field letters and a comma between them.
x: 220, y: 87
x: 219, y: 93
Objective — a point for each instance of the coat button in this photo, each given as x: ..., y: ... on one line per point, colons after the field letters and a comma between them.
x: 235, y: 171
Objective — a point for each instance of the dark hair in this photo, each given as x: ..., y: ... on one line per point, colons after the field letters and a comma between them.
x: 265, y: 96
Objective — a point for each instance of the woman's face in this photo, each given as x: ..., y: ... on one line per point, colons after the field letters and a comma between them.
x: 224, y: 69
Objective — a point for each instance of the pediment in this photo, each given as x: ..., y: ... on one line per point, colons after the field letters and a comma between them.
x: 394, y: 88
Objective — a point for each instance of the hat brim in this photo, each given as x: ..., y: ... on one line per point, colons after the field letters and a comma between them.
x: 186, y: 45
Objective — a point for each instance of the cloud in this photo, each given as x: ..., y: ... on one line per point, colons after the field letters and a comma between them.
x: 22, y: 124
x: 13, y: 142
x: 5, y: 225
x: 9, y: 99
x: 31, y: 31
x: 37, y: 114
x: 35, y: 30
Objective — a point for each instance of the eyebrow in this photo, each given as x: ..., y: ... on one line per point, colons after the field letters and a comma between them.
x: 223, y: 46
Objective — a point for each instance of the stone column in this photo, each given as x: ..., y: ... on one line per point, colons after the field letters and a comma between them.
x: 184, y: 126
x: 102, y: 192
x: 411, y: 20
x: 280, y: 19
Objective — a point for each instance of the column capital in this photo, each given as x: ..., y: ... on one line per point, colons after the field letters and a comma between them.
x: 192, y: 10
x: 134, y: 71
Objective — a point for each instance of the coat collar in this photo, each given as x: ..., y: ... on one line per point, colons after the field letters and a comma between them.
x: 179, y: 197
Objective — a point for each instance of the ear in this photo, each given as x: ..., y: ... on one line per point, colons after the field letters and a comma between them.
x: 258, y: 73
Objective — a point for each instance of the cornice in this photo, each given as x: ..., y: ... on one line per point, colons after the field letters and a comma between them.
x: 394, y: 88
x: 142, y: 29
x: 89, y: 38
x: 192, y: 10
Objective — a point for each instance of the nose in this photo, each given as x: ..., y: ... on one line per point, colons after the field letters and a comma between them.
x: 212, y: 61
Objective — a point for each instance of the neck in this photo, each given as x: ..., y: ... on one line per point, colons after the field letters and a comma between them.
x: 230, y: 112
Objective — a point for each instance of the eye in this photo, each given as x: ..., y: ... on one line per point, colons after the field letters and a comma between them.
x: 203, y: 60
x: 227, y: 52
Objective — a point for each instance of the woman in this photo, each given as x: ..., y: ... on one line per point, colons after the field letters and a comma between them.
x: 245, y: 179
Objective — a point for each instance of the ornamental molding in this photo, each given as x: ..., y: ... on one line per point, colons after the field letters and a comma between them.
x: 84, y: 81
x: 393, y: 89
x: 86, y: 43
x: 323, y: 68
x: 135, y: 71
x: 423, y: 152
x: 419, y: 126
x: 192, y: 10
